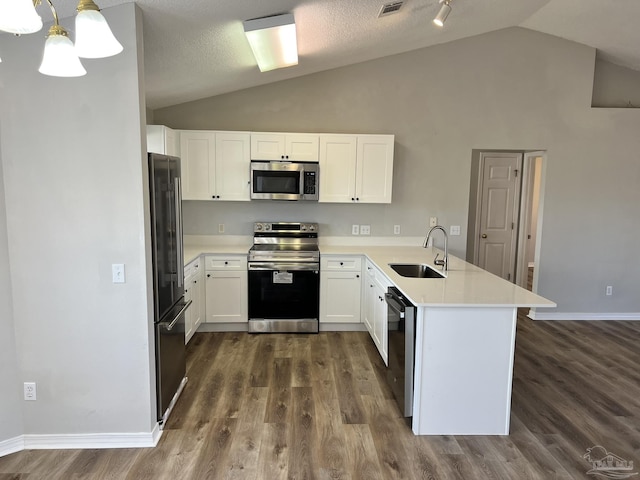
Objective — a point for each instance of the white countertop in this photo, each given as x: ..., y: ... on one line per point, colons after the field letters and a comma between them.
x: 465, y: 284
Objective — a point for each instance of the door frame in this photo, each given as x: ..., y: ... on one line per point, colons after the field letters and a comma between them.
x: 525, y: 196
x: 526, y: 207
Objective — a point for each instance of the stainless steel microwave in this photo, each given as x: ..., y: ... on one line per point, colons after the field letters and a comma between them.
x: 284, y: 180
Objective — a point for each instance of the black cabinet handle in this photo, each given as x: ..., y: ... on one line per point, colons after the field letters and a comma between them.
x: 357, y: 276
x: 341, y: 263
x: 208, y: 275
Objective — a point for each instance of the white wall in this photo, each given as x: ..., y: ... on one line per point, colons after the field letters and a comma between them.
x: 513, y: 89
x: 10, y: 408
x: 74, y: 175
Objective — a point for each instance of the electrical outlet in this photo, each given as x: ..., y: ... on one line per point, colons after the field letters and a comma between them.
x: 396, y: 229
x: 29, y: 390
x: 221, y: 228
x: 454, y: 230
x: 365, y: 229
x: 117, y: 272
x: 433, y: 221
x: 609, y: 290
x: 355, y: 229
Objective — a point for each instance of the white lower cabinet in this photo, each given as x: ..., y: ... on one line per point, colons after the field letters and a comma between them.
x: 375, y: 308
x: 226, y: 288
x: 194, y: 291
x: 340, y: 289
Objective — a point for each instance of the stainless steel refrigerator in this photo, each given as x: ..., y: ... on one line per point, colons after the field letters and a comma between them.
x: 168, y: 280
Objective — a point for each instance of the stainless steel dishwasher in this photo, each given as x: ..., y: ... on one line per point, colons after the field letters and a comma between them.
x: 401, y: 316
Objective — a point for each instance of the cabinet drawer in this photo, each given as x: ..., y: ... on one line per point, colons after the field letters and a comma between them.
x: 341, y: 263
x: 225, y: 262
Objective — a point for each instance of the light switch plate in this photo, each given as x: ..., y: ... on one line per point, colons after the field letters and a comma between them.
x: 117, y: 272
x: 396, y: 229
x: 454, y: 230
x: 355, y: 229
x: 433, y: 221
x: 365, y: 229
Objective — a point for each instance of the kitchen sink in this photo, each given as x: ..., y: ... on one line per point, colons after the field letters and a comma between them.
x: 415, y: 270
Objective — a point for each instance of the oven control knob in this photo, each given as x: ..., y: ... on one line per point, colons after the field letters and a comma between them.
x: 258, y: 226
x: 267, y: 226
x: 303, y: 228
x: 312, y: 228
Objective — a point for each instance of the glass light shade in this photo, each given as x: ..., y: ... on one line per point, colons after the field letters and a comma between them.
x: 19, y: 16
x: 60, y: 58
x: 273, y: 41
x: 442, y: 15
x: 94, y: 38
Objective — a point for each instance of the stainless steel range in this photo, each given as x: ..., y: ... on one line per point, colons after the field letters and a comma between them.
x: 284, y: 278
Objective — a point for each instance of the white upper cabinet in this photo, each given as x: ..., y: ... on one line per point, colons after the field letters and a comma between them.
x: 161, y: 139
x: 215, y: 165
x: 300, y: 147
x: 356, y: 168
x: 232, y: 166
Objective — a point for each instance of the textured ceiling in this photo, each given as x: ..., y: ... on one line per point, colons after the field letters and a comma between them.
x: 196, y: 49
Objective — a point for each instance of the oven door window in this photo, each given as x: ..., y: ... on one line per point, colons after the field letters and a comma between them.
x: 274, y: 181
x: 279, y: 295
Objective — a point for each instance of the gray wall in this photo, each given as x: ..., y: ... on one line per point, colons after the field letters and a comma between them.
x: 615, y: 86
x: 74, y: 178
x: 10, y: 408
x: 512, y: 89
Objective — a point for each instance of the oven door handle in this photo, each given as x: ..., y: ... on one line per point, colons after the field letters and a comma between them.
x: 278, y: 266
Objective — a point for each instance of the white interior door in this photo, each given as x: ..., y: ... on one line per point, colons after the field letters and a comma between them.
x: 499, y: 206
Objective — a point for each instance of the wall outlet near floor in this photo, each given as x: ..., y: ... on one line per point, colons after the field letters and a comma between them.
x: 355, y: 229
x: 433, y: 221
x: 396, y: 229
x: 29, y: 390
x: 454, y: 230
x: 365, y: 229
x: 609, y: 290
x: 221, y: 228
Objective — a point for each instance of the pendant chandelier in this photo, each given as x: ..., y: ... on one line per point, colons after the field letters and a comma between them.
x: 93, y: 37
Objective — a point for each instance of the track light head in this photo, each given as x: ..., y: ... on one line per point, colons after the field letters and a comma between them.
x: 445, y: 9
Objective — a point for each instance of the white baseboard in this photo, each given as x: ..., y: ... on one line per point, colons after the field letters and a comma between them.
x: 81, y: 441
x: 12, y: 445
x: 535, y: 315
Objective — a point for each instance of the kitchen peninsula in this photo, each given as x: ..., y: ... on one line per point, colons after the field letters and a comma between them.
x: 465, y: 336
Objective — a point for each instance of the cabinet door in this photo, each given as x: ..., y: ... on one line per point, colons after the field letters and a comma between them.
x: 189, y: 314
x: 161, y: 139
x: 337, y: 168
x: 267, y: 146
x: 226, y: 293
x: 232, y: 172
x: 369, y: 304
x: 198, y: 156
x: 301, y: 147
x: 374, y: 169
x: 197, y: 307
x: 340, y: 294
x: 380, y: 323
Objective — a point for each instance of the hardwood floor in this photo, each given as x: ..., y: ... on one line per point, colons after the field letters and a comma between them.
x: 316, y: 407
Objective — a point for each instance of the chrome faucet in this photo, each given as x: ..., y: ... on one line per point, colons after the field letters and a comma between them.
x: 444, y: 263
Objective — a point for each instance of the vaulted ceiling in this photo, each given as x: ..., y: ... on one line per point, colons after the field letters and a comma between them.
x: 196, y: 49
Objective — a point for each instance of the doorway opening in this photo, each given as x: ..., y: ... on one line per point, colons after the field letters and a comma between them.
x: 505, y: 213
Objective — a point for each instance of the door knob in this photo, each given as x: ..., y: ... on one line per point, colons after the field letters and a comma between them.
x: 484, y: 235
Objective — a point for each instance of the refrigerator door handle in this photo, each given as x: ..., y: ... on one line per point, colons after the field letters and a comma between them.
x: 177, y: 317
x: 179, y: 241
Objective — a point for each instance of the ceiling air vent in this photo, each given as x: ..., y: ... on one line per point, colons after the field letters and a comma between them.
x: 390, y: 8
